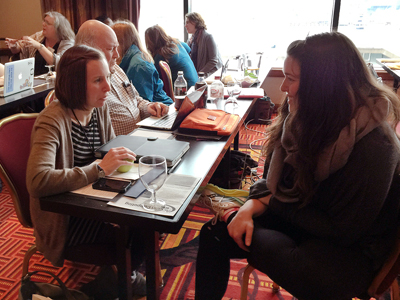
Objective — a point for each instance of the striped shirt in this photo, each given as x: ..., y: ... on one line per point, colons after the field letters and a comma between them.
x: 80, y: 230
x: 86, y: 141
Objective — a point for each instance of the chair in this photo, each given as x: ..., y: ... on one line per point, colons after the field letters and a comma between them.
x: 16, y: 131
x: 49, y: 98
x: 166, y: 77
x: 385, y: 279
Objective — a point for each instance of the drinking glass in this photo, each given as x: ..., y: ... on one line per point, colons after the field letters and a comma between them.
x: 234, y: 89
x: 50, y: 73
x: 152, y: 173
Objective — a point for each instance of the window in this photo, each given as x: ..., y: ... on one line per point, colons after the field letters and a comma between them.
x: 373, y: 26
x: 252, y: 26
x: 167, y: 14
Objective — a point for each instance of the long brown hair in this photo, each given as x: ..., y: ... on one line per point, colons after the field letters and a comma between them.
x: 197, y: 20
x: 334, y: 82
x: 159, y: 42
x: 127, y: 36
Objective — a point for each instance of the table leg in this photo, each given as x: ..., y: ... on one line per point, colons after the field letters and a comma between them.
x: 153, y: 266
x: 124, y: 264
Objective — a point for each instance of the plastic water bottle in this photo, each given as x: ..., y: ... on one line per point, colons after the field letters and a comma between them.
x: 180, y: 89
x: 216, y: 94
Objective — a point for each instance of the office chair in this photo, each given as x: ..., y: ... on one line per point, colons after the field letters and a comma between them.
x: 15, y: 136
x: 166, y: 77
x: 50, y: 97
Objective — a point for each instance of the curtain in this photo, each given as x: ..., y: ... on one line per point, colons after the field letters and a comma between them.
x: 78, y: 11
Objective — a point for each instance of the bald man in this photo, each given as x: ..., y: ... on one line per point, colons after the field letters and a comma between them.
x: 126, y: 106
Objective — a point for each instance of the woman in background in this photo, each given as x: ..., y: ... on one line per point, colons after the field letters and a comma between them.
x: 163, y: 47
x: 47, y: 45
x: 64, y: 138
x: 138, y: 64
x: 204, y: 54
x: 323, y: 219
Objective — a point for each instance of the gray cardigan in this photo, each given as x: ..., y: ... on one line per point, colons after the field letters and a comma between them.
x: 50, y: 171
x: 208, y: 57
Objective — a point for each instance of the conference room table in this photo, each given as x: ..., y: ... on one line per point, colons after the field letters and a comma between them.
x: 18, y: 101
x: 201, y: 160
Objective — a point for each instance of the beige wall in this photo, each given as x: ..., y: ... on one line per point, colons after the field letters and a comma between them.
x: 20, y: 17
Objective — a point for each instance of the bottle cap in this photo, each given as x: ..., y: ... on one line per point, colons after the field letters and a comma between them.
x: 180, y: 72
x: 201, y: 74
x: 217, y: 77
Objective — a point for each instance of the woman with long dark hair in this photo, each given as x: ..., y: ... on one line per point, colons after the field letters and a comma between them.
x: 321, y: 222
x: 176, y: 53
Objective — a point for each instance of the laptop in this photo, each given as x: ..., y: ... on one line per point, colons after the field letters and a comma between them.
x: 18, y: 76
x: 174, y: 118
x: 172, y: 150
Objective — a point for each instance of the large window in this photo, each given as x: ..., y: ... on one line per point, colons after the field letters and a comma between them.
x: 373, y: 25
x: 250, y: 26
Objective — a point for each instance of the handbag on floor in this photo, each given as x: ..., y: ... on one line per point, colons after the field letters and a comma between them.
x: 53, y: 291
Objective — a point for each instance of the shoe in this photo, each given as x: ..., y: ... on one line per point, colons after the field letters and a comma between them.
x: 138, y: 285
x: 220, y: 206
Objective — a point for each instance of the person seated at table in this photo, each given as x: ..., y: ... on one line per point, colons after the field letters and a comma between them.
x: 45, y: 46
x: 64, y: 138
x: 137, y: 63
x: 176, y: 53
x: 126, y: 106
x: 321, y: 214
x: 204, y: 54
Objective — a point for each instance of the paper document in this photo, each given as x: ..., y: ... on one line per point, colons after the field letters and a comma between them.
x: 174, y: 192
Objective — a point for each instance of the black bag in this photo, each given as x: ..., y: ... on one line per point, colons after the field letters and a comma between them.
x: 56, y: 292
x: 240, y: 166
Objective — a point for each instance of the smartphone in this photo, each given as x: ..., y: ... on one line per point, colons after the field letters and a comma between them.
x: 111, y: 185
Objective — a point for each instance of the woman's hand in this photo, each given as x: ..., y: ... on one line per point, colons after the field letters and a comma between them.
x: 157, y: 109
x: 28, y: 41
x: 241, y: 227
x: 12, y: 45
x: 115, y: 158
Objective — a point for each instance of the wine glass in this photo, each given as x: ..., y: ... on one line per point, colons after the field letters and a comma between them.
x: 50, y: 73
x: 234, y: 89
x: 152, y: 173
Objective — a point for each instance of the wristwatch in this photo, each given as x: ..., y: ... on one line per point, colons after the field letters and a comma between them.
x: 102, y: 174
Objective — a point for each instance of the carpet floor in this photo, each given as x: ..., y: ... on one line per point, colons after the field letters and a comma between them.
x: 178, y: 251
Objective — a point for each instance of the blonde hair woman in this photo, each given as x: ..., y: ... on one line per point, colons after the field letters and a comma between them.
x: 47, y: 45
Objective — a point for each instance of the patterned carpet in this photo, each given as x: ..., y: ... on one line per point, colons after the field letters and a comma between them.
x: 178, y: 252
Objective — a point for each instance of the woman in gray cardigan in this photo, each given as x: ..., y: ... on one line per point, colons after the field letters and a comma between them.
x: 204, y: 54
x: 63, y: 141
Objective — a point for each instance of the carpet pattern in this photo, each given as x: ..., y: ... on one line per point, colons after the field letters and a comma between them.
x: 178, y: 251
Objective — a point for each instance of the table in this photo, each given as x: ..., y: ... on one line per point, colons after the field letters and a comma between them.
x: 394, y: 73
x: 201, y: 160
x: 16, y: 101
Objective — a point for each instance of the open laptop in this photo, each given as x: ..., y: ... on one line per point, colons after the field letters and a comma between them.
x: 18, y: 76
x: 174, y: 118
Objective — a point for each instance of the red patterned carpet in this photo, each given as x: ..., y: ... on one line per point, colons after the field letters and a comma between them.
x: 178, y: 252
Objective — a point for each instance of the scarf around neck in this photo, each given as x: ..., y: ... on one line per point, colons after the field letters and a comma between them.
x: 333, y: 157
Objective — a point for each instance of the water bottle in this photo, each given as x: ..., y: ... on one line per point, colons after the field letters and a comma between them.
x: 180, y: 89
x: 200, y: 83
x: 216, y: 94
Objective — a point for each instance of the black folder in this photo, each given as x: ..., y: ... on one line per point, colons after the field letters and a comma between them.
x: 172, y: 150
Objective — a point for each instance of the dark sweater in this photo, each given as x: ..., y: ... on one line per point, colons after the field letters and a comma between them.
x: 353, y: 206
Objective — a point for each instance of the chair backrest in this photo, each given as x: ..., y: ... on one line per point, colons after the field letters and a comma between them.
x: 166, y: 77
x: 15, y: 139
x: 50, y: 97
